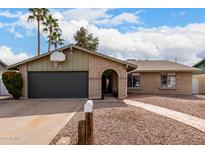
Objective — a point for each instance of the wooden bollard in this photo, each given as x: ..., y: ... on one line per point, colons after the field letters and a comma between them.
x: 88, y: 109
x: 81, y: 132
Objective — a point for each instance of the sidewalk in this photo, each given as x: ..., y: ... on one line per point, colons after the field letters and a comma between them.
x: 178, y: 116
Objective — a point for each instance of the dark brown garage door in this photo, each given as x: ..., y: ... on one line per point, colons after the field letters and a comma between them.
x: 58, y: 84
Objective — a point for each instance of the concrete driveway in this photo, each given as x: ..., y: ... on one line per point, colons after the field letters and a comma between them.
x: 34, y: 121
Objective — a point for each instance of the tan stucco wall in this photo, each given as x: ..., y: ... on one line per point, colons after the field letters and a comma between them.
x: 97, y: 66
x: 201, y: 83
x: 150, y: 84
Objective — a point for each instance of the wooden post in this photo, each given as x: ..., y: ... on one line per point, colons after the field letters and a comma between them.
x: 81, y: 132
x: 88, y: 109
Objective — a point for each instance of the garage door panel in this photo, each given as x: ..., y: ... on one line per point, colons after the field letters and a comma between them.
x: 58, y: 84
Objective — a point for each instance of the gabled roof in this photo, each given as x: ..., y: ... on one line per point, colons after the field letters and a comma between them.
x: 129, y: 65
x: 201, y: 61
x: 160, y: 65
x: 2, y: 63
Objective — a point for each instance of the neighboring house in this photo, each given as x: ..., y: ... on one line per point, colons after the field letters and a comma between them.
x: 160, y: 77
x: 87, y: 74
x: 200, y: 65
x: 3, y: 90
x: 83, y: 74
x: 2, y: 66
x: 199, y: 77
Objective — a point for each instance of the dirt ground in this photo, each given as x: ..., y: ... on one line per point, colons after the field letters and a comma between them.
x: 118, y: 123
x: 190, y: 104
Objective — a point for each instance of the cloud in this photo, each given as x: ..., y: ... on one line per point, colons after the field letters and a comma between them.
x: 92, y: 16
x: 97, y: 16
x: 85, y: 14
x: 23, y: 22
x: 16, y: 34
x: 20, y: 24
x: 177, y: 15
x: 1, y: 25
x: 8, y: 14
x: 185, y: 43
x: 9, y: 57
x: 120, y: 19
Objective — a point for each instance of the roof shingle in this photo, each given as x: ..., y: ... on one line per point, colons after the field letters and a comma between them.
x: 160, y: 65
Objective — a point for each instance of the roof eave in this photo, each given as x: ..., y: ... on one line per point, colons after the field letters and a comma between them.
x: 133, y: 66
x: 4, y: 64
x: 195, y: 65
x: 36, y: 57
x: 188, y: 70
x: 130, y: 65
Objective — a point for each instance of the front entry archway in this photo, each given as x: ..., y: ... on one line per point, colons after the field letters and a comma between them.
x: 109, y: 83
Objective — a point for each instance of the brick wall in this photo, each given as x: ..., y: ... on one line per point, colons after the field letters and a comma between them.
x: 97, y: 66
x: 23, y: 70
x: 150, y: 84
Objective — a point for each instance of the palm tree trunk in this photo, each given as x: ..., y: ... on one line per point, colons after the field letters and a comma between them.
x: 49, y: 42
x: 38, y: 21
x: 49, y: 45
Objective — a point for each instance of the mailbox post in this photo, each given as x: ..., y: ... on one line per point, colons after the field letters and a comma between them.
x: 85, y: 127
x: 88, y: 109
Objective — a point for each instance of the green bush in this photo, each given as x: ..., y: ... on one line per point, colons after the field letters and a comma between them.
x: 14, y: 83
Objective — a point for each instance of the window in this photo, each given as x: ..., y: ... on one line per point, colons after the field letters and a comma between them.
x: 133, y: 80
x: 168, y: 80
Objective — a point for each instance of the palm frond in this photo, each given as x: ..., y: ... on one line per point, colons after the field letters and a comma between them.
x: 30, y: 18
x: 45, y: 29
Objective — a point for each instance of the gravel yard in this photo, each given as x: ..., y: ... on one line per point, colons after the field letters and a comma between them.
x: 118, y: 123
x: 190, y: 104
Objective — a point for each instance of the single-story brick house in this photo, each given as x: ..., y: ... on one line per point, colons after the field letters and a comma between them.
x: 200, y: 65
x: 87, y: 74
x: 83, y: 74
x: 160, y: 77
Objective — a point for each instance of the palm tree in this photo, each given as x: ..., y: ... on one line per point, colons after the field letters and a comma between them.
x: 38, y: 14
x: 51, y: 25
x: 56, y: 39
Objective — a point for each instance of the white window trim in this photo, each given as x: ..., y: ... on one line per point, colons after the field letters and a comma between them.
x: 168, y: 74
x: 135, y: 74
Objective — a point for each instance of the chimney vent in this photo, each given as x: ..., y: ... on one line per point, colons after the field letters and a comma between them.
x: 131, y: 59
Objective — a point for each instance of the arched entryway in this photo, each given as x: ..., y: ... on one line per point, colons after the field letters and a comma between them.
x: 109, y: 83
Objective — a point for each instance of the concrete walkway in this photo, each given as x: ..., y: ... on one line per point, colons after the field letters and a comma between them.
x: 4, y: 97
x: 178, y: 116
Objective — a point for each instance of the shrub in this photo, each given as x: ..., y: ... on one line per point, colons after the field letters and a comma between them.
x: 14, y: 83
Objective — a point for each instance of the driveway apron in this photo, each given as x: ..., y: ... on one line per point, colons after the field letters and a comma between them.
x: 34, y: 121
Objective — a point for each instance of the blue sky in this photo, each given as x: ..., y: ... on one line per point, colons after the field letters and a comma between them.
x: 141, y: 33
